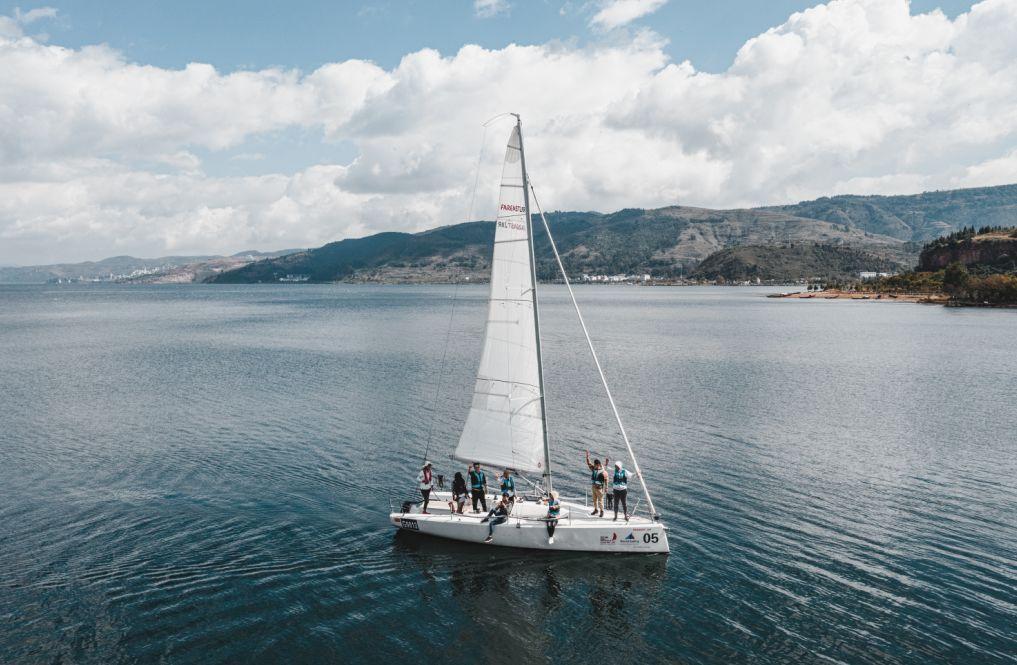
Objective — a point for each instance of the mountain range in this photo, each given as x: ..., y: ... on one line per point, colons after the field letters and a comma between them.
x: 830, y: 236
x: 132, y: 269
x: 665, y: 242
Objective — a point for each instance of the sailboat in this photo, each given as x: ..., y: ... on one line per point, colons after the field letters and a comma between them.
x: 506, y: 427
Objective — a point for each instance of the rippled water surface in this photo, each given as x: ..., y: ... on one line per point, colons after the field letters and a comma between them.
x: 202, y: 474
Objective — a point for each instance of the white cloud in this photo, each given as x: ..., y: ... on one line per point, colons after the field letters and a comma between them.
x: 100, y: 156
x: 616, y: 13
x: 489, y: 8
x: 33, y: 15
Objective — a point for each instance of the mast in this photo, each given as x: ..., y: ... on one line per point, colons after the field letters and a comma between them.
x: 536, y: 315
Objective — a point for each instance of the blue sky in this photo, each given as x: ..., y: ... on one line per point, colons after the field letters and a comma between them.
x: 308, y: 33
x: 154, y: 128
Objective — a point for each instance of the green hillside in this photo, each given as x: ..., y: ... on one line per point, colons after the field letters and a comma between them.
x: 664, y: 242
x: 772, y: 263
x: 916, y: 217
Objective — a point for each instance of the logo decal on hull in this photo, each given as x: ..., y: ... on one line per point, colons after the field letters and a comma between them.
x: 609, y: 540
x: 409, y: 524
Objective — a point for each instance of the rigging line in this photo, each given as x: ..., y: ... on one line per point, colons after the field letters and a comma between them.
x: 441, y: 372
x: 455, y: 293
x: 596, y: 360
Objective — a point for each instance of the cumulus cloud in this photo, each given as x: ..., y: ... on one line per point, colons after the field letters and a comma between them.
x: 99, y: 155
x: 489, y: 8
x: 616, y: 13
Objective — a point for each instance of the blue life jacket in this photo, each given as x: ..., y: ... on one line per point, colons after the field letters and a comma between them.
x: 553, y: 508
x: 508, y: 485
x: 621, y: 479
x: 477, y: 480
x: 598, y: 477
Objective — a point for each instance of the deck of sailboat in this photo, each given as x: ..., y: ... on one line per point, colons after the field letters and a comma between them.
x: 526, y: 527
x: 525, y: 508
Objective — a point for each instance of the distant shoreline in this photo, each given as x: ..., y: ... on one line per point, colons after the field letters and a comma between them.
x: 876, y: 296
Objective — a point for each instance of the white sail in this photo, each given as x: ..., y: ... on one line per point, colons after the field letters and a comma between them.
x: 505, y: 425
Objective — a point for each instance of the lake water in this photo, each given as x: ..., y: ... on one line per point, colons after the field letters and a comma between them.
x: 203, y: 474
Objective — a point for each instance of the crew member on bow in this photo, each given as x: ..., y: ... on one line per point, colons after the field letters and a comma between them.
x: 426, y: 482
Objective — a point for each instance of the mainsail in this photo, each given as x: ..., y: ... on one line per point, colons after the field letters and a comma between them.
x: 505, y: 426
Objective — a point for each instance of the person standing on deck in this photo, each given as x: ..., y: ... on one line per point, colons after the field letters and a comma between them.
x: 478, y: 487
x: 599, y: 479
x: 620, y: 485
x: 508, y: 485
x: 553, y: 510
x: 426, y: 483
x: 458, y: 494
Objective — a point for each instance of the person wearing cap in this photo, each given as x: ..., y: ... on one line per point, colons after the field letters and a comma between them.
x: 426, y: 483
x: 498, y: 515
x: 553, y: 510
x: 478, y: 487
x: 599, y: 480
x: 620, y: 485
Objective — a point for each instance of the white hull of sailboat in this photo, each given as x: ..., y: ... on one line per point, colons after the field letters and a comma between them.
x: 576, y: 529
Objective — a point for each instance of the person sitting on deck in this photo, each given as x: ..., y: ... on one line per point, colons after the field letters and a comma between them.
x: 508, y: 485
x: 458, y: 494
x: 599, y: 479
x: 478, y: 487
x: 498, y: 515
x: 426, y: 483
x: 553, y: 510
x: 620, y: 484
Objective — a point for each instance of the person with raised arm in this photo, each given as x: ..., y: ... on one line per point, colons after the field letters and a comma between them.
x: 598, y: 477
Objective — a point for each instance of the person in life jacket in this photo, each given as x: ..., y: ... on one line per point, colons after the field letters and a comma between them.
x: 620, y: 485
x: 478, y: 487
x: 458, y: 494
x: 508, y: 485
x: 426, y: 483
x: 598, y: 476
x: 498, y: 515
x: 553, y: 510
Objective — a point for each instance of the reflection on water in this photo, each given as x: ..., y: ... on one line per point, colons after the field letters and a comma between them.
x: 528, y: 603
x: 198, y: 474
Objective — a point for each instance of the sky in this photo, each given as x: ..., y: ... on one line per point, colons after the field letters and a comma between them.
x: 153, y: 128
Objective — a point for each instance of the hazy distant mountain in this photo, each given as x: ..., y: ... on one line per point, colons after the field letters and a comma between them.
x: 663, y: 242
x: 129, y: 268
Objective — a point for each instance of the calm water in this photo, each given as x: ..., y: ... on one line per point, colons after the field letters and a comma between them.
x: 202, y: 474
